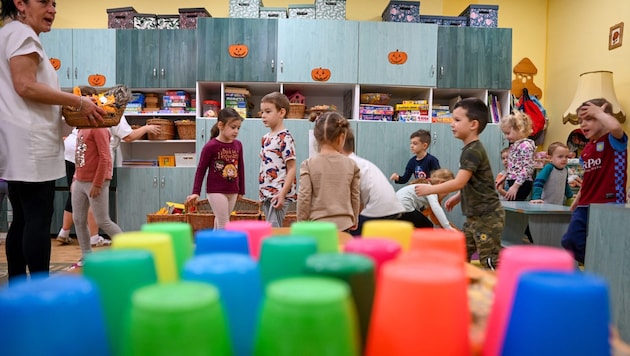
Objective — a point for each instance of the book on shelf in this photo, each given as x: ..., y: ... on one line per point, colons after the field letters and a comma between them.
x: 139, y: 163
x: 236, y: 90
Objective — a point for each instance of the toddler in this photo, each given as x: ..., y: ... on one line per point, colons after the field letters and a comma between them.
x: 551, y: 184
x: 517, y: 127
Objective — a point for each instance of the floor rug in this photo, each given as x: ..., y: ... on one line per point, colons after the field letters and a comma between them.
x: 54, y: 268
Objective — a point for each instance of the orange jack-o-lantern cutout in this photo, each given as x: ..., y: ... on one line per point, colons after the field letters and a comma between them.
x: 96, y: 80
x: 56, y: 63
x: 320, y: 74
x: 397, y: 57
x: 238, y: 50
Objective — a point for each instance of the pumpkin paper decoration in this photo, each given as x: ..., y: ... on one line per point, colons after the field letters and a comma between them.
x: 397, y: 57
x: 56, y: 63
x: 96, y: 80
x: 320, y: 74
x: 238, y: 50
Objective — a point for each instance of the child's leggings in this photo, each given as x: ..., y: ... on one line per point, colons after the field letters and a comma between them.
x: 222, y: 205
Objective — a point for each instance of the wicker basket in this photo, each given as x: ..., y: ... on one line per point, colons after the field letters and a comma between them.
x: 186, y: 129
x: 78, y: 120
x: 154, y: 218
x: 167, y: 129
x: 296, y: 111
x: 200, y: 221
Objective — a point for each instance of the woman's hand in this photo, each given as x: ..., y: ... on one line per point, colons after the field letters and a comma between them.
x: 93, y: 112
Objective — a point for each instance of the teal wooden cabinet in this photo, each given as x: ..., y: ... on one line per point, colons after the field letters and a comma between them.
x: 156, y: 58
x: 305, y: 45
x: 474, y: 57
x: 82, y: 53
x: 143, y: 191
x: 415, y: 62
x: 217, y: 35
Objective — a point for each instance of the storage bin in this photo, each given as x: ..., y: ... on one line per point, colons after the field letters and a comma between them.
x: 245, y: 8
x: 145, y: 21
x: 273, y: 13
x: 402, y: 11
x: 481, y: 15
x: 120, y: 17
x: 330, y: 9
x: 166, y: 161
x: 167, y: 22
x: 301, y: 11
x: 167, y: 129
x: 188, y: 16
x: 457, y: 21
x: 185, y: 160
x: 210, y: 108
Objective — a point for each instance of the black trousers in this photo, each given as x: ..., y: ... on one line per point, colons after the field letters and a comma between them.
x: 416, y: 218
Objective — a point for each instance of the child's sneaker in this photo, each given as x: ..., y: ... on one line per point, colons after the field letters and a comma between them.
x: 77, y: 265
x: 98, y: 240
x: 63, y: 238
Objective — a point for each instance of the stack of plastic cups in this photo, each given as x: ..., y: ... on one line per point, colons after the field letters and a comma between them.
x: 420, y: 309
x: 358, y: 272
x: 399, y: 231
x: 118, y: 273
x: 307, y: 316
x: 221, y: 241
x: 159, y: 244
x: 256, y: 231
x: 238, y: 279
x: 513, y: 262
x: 284, y: 257
x: 325, y: 233
x: 60, y: 315
x: 181, y: 238
x: 379, y: 250
x: 559, y: 313
x: 180, y: 318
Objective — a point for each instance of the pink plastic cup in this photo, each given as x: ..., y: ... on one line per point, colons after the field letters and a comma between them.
x: 256, y: 231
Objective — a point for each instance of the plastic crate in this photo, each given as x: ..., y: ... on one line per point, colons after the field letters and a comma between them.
x: 245, y: 8
x: 457, y: 21
x: 301, y: 11
x: 120, y: 17
x: 188, y: 16
x: 402, y: 11
x: 481, y: 15
x: 330, y: 9
x: 273, y: 13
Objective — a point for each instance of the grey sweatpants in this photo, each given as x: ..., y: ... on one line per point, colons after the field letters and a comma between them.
x: 81, y: 202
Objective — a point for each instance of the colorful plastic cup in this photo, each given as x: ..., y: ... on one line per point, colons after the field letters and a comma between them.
x: 181, y: 236
x: 324, y: 232
x: 221, y: 241
x: 429, y: 239
x: 118, y: 273
x: 180, y: 318
x: 307, y: 316
x: 159, y: 244
x: 60, y: 315
x: 514, y: 261
x: 399, y: 231
x: 284, y: 257
x: 420, y: 309
x: 256, y: 231
x: 238, y: 280
x: 357, y: 271
x: 559, y: 313
x: 379, y: 250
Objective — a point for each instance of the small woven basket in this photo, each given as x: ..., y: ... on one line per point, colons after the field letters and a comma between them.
x: 199, y: 221
x: 167, y: 129
x: 121, y: 94
x: 154, y: 218
x: 296, y: 111
x: 186, y: 129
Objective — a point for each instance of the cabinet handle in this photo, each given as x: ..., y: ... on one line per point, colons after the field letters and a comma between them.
x: 281, y: 66
x: 203, y: 135
x: 162, y: 182
x: 76, y: 76
x: 435, y: 136
x: 273, y: 65
x: 441, y: 71
x: 162, y: 72
x: 155, y: 72
x: 68, y: 72
x: 154, y: 182
x: 432, y: 70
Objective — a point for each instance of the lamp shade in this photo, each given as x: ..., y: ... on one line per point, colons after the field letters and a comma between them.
x: 594, y: 85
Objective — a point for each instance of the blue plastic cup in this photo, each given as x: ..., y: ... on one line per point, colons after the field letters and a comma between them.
x: 221, y: 241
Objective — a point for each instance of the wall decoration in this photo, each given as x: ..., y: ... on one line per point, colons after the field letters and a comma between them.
x: 525, y: 71
x: 615, y: 36
x: 238, y: 50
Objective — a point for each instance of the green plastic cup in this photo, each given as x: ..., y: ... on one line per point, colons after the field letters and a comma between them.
x: 325, y: 233
x: 180, y: 318
x: 284, y: 257
x: 307, y: 316
x: 181, y: 236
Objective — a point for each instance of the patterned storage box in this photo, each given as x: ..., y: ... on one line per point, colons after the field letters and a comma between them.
x: 376, y: 112
x: 121, y: 17
x: 301, y: 11
x: 245, y: 8
x: 457, y: 21
x: 330, y: 9
x: 482, y: 15
x: 188, y: 16
x: 145, y: 21
x: 167, y: 22
x: 273, y: 13
x: 402, y: 11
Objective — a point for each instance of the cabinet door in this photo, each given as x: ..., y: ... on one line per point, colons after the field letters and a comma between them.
x: 137, y: 195
x: 415, y: 62
x: 304, y: 45
x: 445, y: 146
x: 176, y: 184
x: 137, y: 58
x: 494, y: 141
x: 474, y: 57
x: 178, y: 58
x: 56, y: 44
x: 216, y: 35
x: 94, y: 52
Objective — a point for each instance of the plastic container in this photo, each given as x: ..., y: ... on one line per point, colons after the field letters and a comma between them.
x: 210, y: 108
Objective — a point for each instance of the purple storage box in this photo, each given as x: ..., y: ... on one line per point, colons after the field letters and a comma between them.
x: 188, y: 16
x: 402, y: 11
x: 457, y: 21
x: 120, y: 17
x: 482, y: 15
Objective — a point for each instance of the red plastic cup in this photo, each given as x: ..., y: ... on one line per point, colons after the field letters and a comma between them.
x: 256, y: 231
x: 379, y: 250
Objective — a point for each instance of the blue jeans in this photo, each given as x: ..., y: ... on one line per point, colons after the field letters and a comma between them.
x: 574, y: 239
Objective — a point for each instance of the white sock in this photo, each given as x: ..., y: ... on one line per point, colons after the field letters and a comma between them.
x: 64, y: 233
x: 94, y: 238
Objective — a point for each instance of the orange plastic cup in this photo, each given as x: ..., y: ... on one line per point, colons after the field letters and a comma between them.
x: 449, y: 241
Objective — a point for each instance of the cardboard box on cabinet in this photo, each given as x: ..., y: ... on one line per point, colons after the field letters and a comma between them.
x: 330, y: 9
x: 482, y: 15
x: 402, y: 11
x: 245, y: 8
x: 120, y: 17
x: 188, y: 16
